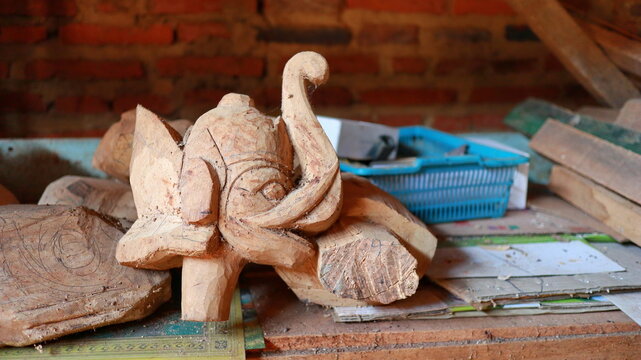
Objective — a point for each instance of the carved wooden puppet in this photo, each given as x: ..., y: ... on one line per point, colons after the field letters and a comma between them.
x: 229, y: 193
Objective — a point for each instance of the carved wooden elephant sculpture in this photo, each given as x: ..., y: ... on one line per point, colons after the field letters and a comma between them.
x: 243, y: 187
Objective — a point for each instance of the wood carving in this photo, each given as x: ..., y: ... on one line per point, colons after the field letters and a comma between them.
x: 107, y: 197
x: 113, y: 154
x: 59, y: 275
x: 374, y: 254
x: 230, y: 194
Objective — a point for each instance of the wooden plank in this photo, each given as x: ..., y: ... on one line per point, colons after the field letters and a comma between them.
x: 553, y: 205
x: 580, y: 55
x: 622, y: 50
x: 613, y: 210
x: 609, y: 165
x: 530, y: 115
x: 599, y: 113
x: 297, y: 330
x: 630, y: 115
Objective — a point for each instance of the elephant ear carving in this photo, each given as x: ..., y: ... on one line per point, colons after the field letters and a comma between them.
x: 201, y: 179
x: 159, y: 238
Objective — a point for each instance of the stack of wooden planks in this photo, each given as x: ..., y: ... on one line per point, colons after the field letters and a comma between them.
x: 597, y: 176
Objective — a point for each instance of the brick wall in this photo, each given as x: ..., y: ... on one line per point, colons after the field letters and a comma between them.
x: 68, y: 67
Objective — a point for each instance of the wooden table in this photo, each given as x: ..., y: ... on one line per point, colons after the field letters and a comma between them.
x: 296, y: 330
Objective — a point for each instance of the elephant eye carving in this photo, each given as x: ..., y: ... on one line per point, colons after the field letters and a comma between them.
x: 273, y: 191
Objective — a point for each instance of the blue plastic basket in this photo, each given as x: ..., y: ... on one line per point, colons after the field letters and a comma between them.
x: 439, y: 188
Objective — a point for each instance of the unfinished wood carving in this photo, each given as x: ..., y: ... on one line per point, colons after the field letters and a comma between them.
x: 113, y: 154
x: 230, y: 194
x: 107, y: 197
x: 59, y: 275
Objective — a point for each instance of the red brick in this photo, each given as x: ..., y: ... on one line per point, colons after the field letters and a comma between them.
x: 481, y: 7
x: 155, y: 103
x: 22, y: 34
x: 204, y: 96
x: 464, y: 66
x: 224, y: 65
x: 474, y: 122
x: 195, y: 32
x: 372, y: 34
x: 331, y: 96
x: 199, y: 6
x: 352, y: 64
x: 21, y: 101
x: 514, y: 66
x: 268, y: 98
x: 408, y: 96
x: 102, y: 34
x: 409, y: 65
x: 4, y: 69
x: 407, y: 6
x: 400, y: 120
x: 289, y: 12
x: 511, y: 94
x: 114, y: 6
x: 83, y: 69
x: 81, y: 104
x: 38, y: 7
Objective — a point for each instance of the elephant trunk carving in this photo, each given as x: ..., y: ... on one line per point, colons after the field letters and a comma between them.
x: 227, y: 194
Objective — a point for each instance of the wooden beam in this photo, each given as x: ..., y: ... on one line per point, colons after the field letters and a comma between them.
x: 630, y: 115
x: 613, y: 210
x: 622, y: 50
x: 530, y: 115
x: 607, y: 164
x: 580, y: 55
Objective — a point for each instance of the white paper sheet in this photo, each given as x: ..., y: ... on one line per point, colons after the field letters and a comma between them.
x: 520, y: 260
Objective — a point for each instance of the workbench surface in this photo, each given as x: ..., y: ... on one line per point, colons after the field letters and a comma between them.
x: 297, y: 330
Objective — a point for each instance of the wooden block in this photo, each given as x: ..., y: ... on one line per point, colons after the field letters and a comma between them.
x: 615, y: 211
x: 622, y: 50
x: 589, y: 65
x: 601, y: 161
x: 113, y: 154
x: 366, y: 262
x: 7, y: 197
x: 107, y: 197
x: 630, y: 115
x: 554, y: 205
x: 60, y: 276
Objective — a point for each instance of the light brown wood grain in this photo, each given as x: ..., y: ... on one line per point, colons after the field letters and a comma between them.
x: 113, y: 154
x: 107, y: 197
x: 556, y: 206
x: 612, y: 166
x: 576, y: 51
x: 367, y: 262
x: 60, y: 275
x: 630, y: 115
x: 615, y: 211
x: 376, y: 239
x: 622, y: 50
